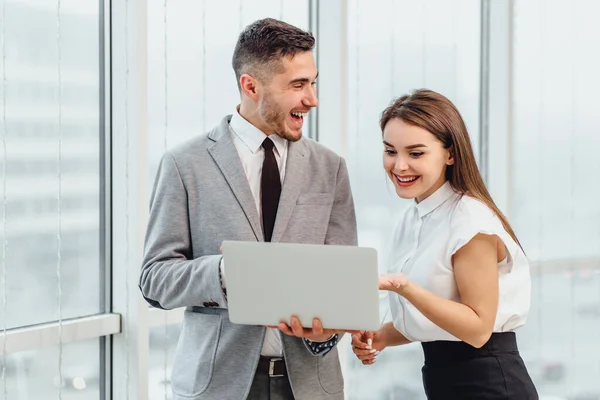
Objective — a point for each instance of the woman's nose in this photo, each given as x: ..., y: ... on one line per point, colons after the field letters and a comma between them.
x: 401, y: 164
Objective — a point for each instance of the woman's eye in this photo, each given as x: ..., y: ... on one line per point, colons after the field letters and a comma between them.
x: 416, y: 154
x: 389, y: 152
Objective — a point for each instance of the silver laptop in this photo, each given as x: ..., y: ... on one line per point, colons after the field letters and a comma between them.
x: 269, y: 282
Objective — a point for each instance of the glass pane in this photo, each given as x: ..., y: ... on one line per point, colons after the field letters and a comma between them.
x: 163, y: 342
x: 52, y: 185
x: 554, y: 191
x: 394, y: 47
x: 191, y: 86
x: 35, y: 374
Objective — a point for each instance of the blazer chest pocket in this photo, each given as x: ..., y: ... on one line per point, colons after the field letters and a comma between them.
x: 315, y: 199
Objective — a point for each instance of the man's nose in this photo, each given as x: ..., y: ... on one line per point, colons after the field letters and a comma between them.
x: 310, y: 100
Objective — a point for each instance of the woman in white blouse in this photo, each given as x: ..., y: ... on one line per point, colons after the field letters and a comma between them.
x: 459, y: 279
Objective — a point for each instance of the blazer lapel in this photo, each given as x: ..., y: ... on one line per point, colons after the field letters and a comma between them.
x: 225, y: 155
x: 296, y: 168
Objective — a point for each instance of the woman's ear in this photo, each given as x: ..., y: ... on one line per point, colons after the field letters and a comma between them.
x: 450, y: 160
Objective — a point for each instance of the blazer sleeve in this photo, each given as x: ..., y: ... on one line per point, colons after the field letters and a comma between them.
x: 170, y: 276
x: 342, y: 221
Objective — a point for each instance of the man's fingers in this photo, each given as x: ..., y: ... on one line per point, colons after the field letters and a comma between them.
x: 317, y: 327
x: 283, y: 327
x: 297, y: 328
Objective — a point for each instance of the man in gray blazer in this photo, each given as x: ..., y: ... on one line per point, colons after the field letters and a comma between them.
x: 252, y: 178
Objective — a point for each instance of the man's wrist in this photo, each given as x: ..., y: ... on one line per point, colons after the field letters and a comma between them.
x: 222, y: 277
x: 323, y: 339
x: 322, y: 348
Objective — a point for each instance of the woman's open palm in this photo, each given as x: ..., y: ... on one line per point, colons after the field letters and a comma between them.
x: 392, y: 282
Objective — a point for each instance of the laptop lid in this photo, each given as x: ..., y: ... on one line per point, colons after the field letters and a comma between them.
x: 269, y: 282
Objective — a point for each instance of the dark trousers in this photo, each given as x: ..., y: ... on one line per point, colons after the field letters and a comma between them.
x: 457, y: 370
x: 265, y: 387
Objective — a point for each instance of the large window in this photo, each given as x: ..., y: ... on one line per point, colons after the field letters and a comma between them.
x: 93, y: 92
x: 52, y: 180
x: 539, y: 88
x: 51, y: 195
x: 388, y: 49
x: 552, y: 189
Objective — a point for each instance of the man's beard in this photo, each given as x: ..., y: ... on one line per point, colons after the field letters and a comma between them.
x: 274, y: 117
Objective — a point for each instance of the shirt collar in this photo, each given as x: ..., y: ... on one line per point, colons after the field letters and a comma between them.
x: 253, y: 137
x: 436, y: 199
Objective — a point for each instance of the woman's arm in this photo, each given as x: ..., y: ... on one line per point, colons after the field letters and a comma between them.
x: 391, y: 335
x: 476, y: 274
x: 367, y: 345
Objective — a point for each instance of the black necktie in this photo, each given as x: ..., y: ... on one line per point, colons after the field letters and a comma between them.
x: 270, y: 189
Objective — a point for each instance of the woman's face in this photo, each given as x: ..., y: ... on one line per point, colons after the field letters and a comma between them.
x: 415, y: 161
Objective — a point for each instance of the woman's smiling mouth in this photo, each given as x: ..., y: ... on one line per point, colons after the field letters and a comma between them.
x: 406, y: 180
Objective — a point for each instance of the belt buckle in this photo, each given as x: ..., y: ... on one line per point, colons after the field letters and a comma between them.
x: 272, y: 368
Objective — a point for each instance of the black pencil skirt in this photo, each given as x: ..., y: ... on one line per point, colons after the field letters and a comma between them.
x: 457, y: 370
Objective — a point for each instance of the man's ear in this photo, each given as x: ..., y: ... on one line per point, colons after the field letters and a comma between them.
x: 249, y: 86
x: 450, y: 160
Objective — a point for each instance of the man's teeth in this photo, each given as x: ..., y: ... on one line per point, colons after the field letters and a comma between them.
x: 299, y: 114
x: 407, y: 179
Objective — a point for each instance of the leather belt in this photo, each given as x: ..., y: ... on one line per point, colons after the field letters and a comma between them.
x: 274, y: 366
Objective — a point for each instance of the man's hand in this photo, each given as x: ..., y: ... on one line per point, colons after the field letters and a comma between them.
x: 315, y: 334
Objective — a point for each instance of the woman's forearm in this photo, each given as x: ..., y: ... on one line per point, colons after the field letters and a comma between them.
x: 392, y: 336
x: 455, y: 318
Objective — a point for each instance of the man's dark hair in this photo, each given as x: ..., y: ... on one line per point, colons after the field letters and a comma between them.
x: 262, y: 45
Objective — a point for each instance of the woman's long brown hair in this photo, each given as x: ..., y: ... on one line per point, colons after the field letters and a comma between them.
x: 436, y: 114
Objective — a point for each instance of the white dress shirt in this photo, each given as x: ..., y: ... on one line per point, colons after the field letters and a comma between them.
x: 424, y: 242
x: 248, y: 142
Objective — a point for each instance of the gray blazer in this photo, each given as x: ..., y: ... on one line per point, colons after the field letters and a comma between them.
x: 201, y: 197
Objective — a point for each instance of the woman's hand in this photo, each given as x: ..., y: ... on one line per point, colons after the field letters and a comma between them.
x: 367, y: 345
x: 393, y: 282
